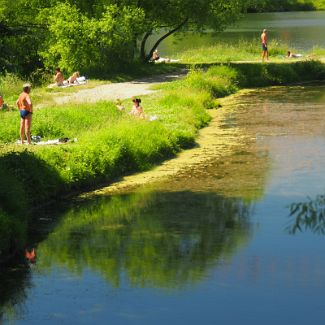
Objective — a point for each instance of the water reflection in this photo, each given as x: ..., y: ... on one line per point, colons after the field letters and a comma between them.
x: 157, y: 239
x: 14, y: 283
x: 309, y: 215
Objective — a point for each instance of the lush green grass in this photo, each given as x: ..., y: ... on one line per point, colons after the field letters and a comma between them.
x: 112, y: 143
x: 224, y: 52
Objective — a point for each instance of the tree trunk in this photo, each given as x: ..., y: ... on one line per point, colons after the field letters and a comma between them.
x: 148, y: 57
x: 143, y: 45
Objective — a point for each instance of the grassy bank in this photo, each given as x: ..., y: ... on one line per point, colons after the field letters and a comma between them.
x: 245, y: 50
x: 112, y: 143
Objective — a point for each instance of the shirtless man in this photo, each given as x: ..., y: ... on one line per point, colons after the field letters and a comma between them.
x: 58, y: 78
x: 25, y: 106
x: 265, y: 52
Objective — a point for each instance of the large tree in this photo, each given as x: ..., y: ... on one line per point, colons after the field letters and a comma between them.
x: 171, y: 16
x: 95, y: 33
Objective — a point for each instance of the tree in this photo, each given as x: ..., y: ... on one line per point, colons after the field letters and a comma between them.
x: 79, y: 41
x: 173, y: 16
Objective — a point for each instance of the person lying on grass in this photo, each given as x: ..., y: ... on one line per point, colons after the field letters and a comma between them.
x: 293, y: 55
x: 74, y: 78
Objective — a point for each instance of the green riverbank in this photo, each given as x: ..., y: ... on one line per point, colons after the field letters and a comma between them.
x: 112, y: 143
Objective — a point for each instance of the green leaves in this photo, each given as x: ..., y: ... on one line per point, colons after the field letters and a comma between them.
x: 79, y: 42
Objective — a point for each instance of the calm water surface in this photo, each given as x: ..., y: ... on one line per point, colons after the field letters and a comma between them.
x: 300, y: 30
x: 214, y: 244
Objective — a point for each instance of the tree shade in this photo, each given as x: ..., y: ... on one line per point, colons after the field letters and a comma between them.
x: 99, y: 35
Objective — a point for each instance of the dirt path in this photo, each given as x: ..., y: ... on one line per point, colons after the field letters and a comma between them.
x: 122, y: 90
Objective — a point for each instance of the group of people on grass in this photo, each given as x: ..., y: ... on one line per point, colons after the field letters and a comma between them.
x: 25, y: 106
x: 59, y: 80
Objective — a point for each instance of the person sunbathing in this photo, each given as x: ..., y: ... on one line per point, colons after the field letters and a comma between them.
x: 155, y: 56
x: 74, y: 78
x: 58, y: 77
x: 292, y: 55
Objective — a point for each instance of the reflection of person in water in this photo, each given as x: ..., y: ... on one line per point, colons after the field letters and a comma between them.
x: 30, y: 255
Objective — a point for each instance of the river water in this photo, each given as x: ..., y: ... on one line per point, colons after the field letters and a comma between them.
x: 210, y: 242
x: 299, y: 30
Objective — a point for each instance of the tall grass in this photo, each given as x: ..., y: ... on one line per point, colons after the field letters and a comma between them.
x: 242, y: 50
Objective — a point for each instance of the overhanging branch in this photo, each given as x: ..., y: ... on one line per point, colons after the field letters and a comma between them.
x: 172, y: 31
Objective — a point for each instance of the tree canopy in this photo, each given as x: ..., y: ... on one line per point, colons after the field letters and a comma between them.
x: 100, y: 34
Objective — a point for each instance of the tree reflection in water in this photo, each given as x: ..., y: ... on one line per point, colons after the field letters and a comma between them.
x: 160, y: 239
x: 308, y: 215
x: 14, y: 282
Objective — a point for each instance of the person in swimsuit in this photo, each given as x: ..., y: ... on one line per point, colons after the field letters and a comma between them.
x: 137, y: 109
x: 264, y: 39
x: 25, y: 106
x: 73, y: 79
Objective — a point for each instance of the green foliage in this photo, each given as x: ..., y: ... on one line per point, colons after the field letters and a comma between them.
x: 257, y: 75
x: 10, y: 85
x: 161, y: 240
x: 78, y: 42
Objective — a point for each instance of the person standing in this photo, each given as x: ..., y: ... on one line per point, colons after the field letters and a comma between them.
x: 25, y: 107
x: 264, y: 39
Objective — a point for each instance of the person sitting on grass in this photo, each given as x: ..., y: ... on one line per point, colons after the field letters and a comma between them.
x: 155, y: 56
x: 137, y: 109
x: 58, y: 77
x: 74, y: 78
x: 25, y: 107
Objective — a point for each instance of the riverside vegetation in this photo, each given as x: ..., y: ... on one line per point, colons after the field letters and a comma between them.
x: 112, y: 143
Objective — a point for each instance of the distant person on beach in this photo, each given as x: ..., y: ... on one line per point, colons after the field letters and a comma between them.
x: 25, y: 107
x: 58, y: 77
x: 264, y: 40
x: 137, y: 109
